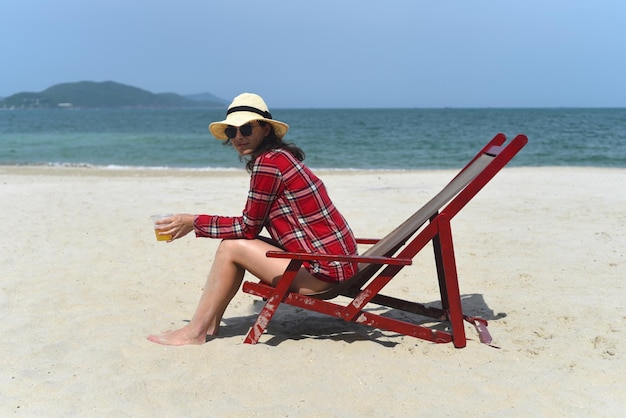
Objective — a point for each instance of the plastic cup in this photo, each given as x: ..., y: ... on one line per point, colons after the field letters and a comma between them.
x: 156, y: 218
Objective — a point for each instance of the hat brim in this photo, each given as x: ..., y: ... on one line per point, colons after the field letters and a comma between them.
x: 241, y: 118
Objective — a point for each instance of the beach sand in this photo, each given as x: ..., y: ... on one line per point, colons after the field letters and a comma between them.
x: 540, y: 253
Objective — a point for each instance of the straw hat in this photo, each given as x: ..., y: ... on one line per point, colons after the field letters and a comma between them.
x: 245, y: 108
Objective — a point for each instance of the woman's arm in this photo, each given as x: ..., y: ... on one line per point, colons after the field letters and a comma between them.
x: 265, y: 186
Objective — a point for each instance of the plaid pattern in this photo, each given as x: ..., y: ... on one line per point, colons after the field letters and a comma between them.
x: 288, y: 200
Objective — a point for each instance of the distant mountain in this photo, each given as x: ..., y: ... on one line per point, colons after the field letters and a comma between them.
x: 107, y: 94
x: 206, y: 97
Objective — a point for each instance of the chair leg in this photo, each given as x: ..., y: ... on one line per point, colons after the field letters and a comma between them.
x: 441, y: 277
x: 452, y: 293
x: 273, y: 301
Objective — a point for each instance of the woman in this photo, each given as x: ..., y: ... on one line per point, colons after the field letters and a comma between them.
x: 286, y: 198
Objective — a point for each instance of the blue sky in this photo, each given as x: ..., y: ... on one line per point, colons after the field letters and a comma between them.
x: 327, y: 53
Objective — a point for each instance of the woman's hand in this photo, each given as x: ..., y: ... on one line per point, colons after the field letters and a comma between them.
x: 177, y: 225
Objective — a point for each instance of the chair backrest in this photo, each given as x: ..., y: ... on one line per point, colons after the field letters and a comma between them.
x: 388, y: 245
x: 392, y: 242
x: 450, y: 200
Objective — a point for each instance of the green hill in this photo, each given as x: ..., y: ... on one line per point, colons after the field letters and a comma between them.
x: 206, y: 97
x: 107, y: 94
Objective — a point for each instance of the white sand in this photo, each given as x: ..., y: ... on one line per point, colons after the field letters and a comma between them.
x: 540, y: 254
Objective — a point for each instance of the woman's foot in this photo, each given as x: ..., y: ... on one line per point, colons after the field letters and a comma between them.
x: 183, y: 336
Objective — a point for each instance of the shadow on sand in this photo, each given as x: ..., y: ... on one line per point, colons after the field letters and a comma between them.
x: 291, y: 323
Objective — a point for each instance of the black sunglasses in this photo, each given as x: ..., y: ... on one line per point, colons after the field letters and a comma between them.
x: 231, y: 131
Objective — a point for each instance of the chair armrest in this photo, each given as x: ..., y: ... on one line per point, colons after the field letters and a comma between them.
x: 367, y: 240
x: 345, y: 258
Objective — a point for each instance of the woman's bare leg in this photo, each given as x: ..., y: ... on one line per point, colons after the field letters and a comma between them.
x: 232, y: 259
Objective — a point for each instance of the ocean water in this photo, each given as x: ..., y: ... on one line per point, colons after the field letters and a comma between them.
x: 397, y: 139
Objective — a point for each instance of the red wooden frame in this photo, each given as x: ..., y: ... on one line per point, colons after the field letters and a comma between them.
x: 437, y: 230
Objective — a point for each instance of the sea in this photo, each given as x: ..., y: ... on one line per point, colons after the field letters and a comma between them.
x: 345, y: 139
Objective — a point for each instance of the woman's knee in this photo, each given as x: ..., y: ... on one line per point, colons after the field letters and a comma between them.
x: 230, y: 246
x: 237, y: 248
x: 246, y: 253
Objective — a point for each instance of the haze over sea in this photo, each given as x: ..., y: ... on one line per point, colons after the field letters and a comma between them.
x: 399, y: 139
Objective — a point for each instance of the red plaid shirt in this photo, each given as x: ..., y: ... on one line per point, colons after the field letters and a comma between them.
x: 288, y: 200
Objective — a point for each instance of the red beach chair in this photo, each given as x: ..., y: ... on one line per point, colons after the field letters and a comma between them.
x: 387, y: 256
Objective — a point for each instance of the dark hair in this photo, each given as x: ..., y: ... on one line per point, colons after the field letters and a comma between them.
x: 269, y: 143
